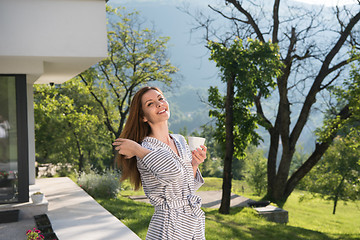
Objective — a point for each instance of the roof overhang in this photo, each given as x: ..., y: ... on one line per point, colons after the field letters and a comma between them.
x: 51, y: 41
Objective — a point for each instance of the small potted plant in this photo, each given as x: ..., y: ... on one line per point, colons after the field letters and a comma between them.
x: 37, y: 197
x: 34, y: 235
x: 4, y: 181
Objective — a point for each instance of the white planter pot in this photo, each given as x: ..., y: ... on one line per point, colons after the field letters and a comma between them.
x: 37, y: 198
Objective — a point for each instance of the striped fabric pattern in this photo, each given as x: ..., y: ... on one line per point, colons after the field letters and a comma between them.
x: 169, y: 183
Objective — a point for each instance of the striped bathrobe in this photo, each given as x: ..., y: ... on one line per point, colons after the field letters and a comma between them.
x: 168, y: 181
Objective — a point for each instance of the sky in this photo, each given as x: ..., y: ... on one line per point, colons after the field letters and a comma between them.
x: 328, y: 3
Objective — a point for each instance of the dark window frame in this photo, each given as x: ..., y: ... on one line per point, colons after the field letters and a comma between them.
x: 22, y: 139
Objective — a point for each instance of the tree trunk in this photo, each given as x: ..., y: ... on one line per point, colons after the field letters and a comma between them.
x: 271, y: 163
x: 280, y: 194
x: 335, y: 203
x: 229, y: 148
x: 78, y: 146
x: 337, y: 193
x: 81, y: 155
x: 81, y: 163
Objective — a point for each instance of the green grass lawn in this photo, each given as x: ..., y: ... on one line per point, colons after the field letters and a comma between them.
x: 316, y: 214
x: 308, y: 219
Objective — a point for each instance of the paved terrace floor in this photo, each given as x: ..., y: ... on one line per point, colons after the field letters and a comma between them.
x: 73, y: 215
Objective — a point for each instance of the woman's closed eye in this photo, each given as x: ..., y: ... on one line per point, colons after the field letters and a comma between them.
x: 150, y: 103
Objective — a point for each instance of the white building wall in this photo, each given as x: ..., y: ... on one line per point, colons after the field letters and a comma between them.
x: 52, y: 28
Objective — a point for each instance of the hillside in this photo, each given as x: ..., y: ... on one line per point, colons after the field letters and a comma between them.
x: 188, y: 110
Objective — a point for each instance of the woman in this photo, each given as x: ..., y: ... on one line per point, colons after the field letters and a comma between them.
x: 163, y: 164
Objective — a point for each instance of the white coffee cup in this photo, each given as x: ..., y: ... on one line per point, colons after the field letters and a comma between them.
x: 195, y: 142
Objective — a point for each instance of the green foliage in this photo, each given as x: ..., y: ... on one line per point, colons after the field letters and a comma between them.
x: 34, y: 234
x: 298, y: 159
x: 100, y: 185
x: 254, y: 65
x: 68, y: 126
x: 336, y: 177
x: 64, y: 170
x: 238, y: 166
x: 351, y: 92
x: 256, y: 169
x: 346, y: 95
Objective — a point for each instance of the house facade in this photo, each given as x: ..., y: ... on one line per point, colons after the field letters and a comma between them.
x: 41, y: 42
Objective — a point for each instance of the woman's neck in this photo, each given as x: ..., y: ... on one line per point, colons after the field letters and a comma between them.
x: 160, y: 132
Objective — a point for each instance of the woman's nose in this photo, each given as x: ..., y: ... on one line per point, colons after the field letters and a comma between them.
x: 159, y: 103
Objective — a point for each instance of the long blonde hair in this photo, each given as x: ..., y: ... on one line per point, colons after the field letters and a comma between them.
x: 135, y: 129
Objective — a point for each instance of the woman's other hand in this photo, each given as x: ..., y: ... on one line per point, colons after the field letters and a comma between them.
x: 198, y: 156
x: 129, y: 148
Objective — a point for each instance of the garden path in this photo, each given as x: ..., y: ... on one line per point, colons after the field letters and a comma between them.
x: 210, y: 199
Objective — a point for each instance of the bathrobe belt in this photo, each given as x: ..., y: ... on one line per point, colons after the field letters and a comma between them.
x: 191, y: 205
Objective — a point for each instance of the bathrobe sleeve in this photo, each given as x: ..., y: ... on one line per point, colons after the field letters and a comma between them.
x: 161, y: 164
x: 198, y: 180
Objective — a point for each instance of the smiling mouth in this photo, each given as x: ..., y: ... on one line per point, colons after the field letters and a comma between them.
x: 163, y: 111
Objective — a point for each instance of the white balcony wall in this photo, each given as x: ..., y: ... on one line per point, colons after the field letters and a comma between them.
x: 51, y: 40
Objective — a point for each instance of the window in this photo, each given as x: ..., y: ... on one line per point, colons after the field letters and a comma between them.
x: 14, y: 176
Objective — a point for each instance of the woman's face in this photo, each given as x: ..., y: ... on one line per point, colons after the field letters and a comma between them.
x: 155, y: 107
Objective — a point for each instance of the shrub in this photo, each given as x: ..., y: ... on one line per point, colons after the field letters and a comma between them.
x: 100, y: 185
x: 256, y: 171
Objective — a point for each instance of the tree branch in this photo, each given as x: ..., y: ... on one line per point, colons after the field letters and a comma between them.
x: 276, y: 21
x: 331, y: 81
x: 107, y: 119
x: 230, y: 18
x: 251, y: 21
x: 284, y: 109
x: 323, y: 72
x: 306, y: 55
x: 318, y: 152
x: 103, y: 70
x: 340, y: 65
x: 259, y: 110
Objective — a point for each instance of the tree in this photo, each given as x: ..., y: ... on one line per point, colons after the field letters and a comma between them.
x: 247, y: 69
x: 68, y: 128
x: 136, y: 57
x: 313, y: 45
x: 255, y: 169
x: 336, y: 177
